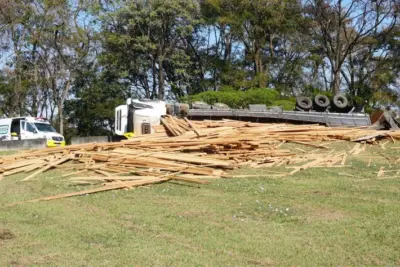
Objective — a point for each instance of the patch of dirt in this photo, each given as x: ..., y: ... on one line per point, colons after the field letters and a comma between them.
x: 6, y: 234
x: 262, y: 262
x: 38, y: 260
x: 319, y: 193
x: 197, y: 213
x: 326, y: 215
x: 312, y: 213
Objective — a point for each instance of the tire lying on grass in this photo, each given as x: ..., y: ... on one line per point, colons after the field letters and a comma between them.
x: 321, y: 102
x: 303, y: 103
x: 340, y: 102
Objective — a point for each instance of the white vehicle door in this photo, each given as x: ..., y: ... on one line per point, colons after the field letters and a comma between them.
x: 30, y: 131
x: 22, y: 130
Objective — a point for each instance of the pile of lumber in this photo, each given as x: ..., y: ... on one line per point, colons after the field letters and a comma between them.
x: 277, y: 131
x: 195, y: 152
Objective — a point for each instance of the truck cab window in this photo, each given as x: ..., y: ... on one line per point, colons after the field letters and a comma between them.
x: 23, y: 125
x: 30, y: 128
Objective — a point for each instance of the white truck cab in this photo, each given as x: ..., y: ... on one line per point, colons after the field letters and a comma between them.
x: 23, y: 128
x: 138, y: 116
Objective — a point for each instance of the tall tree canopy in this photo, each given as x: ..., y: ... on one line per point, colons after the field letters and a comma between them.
x: 73, y: 61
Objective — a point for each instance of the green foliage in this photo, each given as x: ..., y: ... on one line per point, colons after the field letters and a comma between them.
x: 226, y: 88
x: 236, y: 99
x: 171, y: 49
x: 91, y: 112
x: 259, y: 96
x: 286, y: 104
x: 327, y: 93
x: 147, y: 37
x: 241, y: 99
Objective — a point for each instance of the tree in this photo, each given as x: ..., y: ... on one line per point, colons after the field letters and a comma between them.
x: 146, y: 41
x: 341, y: 26
x: 65, y: 45
x: 13, y: 18
x: 96, y: 95
x: 259, y: 25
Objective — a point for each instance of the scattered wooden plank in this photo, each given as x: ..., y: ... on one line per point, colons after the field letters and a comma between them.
x: 107, y: 174
x: 344, y: 159
x: 112, y: 178
x: 381, y: 172
x: 193, y: 127
x: 383, y: 145
x: 95, y: 190
x: 198, y: 151
x: 306, y: 144
x: 73, y: 173
x: 49, y: 166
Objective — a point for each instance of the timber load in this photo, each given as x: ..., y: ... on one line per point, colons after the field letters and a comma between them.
x: 190, y: 152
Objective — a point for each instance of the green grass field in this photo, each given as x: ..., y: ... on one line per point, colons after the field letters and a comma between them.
x: 318, y: 217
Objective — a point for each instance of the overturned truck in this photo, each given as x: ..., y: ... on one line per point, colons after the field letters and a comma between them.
x: 336, y: 113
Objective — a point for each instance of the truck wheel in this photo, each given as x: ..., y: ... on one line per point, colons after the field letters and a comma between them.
x: 304, y: 103
x: 321, y: 102
x: 340, y: 101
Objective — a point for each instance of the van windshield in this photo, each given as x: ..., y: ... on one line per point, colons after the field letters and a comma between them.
x: 43, y: 127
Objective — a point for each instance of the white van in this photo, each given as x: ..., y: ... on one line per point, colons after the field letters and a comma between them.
x: 30, y: 128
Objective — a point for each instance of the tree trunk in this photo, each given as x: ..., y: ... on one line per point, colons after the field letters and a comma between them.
x: 257, y: 61
x: 160, y: 79
x: 51, y: 113
x: 352, y: 75
x: 259, y: 71
x: 336, y: 83
x: 228, y: 47
x: 336, y: 71
x: 16, y: 104
x: 153, y: 65
x: 61, y: 106
x: 326, y: 83
x: 61, y: 118
x: 35, y: 100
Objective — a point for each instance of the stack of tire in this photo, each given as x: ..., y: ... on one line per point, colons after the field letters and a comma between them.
x: 321, y: 103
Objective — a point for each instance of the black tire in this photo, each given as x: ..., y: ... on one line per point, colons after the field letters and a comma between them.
x: 321, y: 102
x: 340, y: 102
x: 304, y: 103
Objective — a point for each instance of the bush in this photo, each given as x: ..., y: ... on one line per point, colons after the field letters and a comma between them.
x: 326, y: 93
x: 235, y: 99
x: 286, y: 104
x: 259, y: 96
